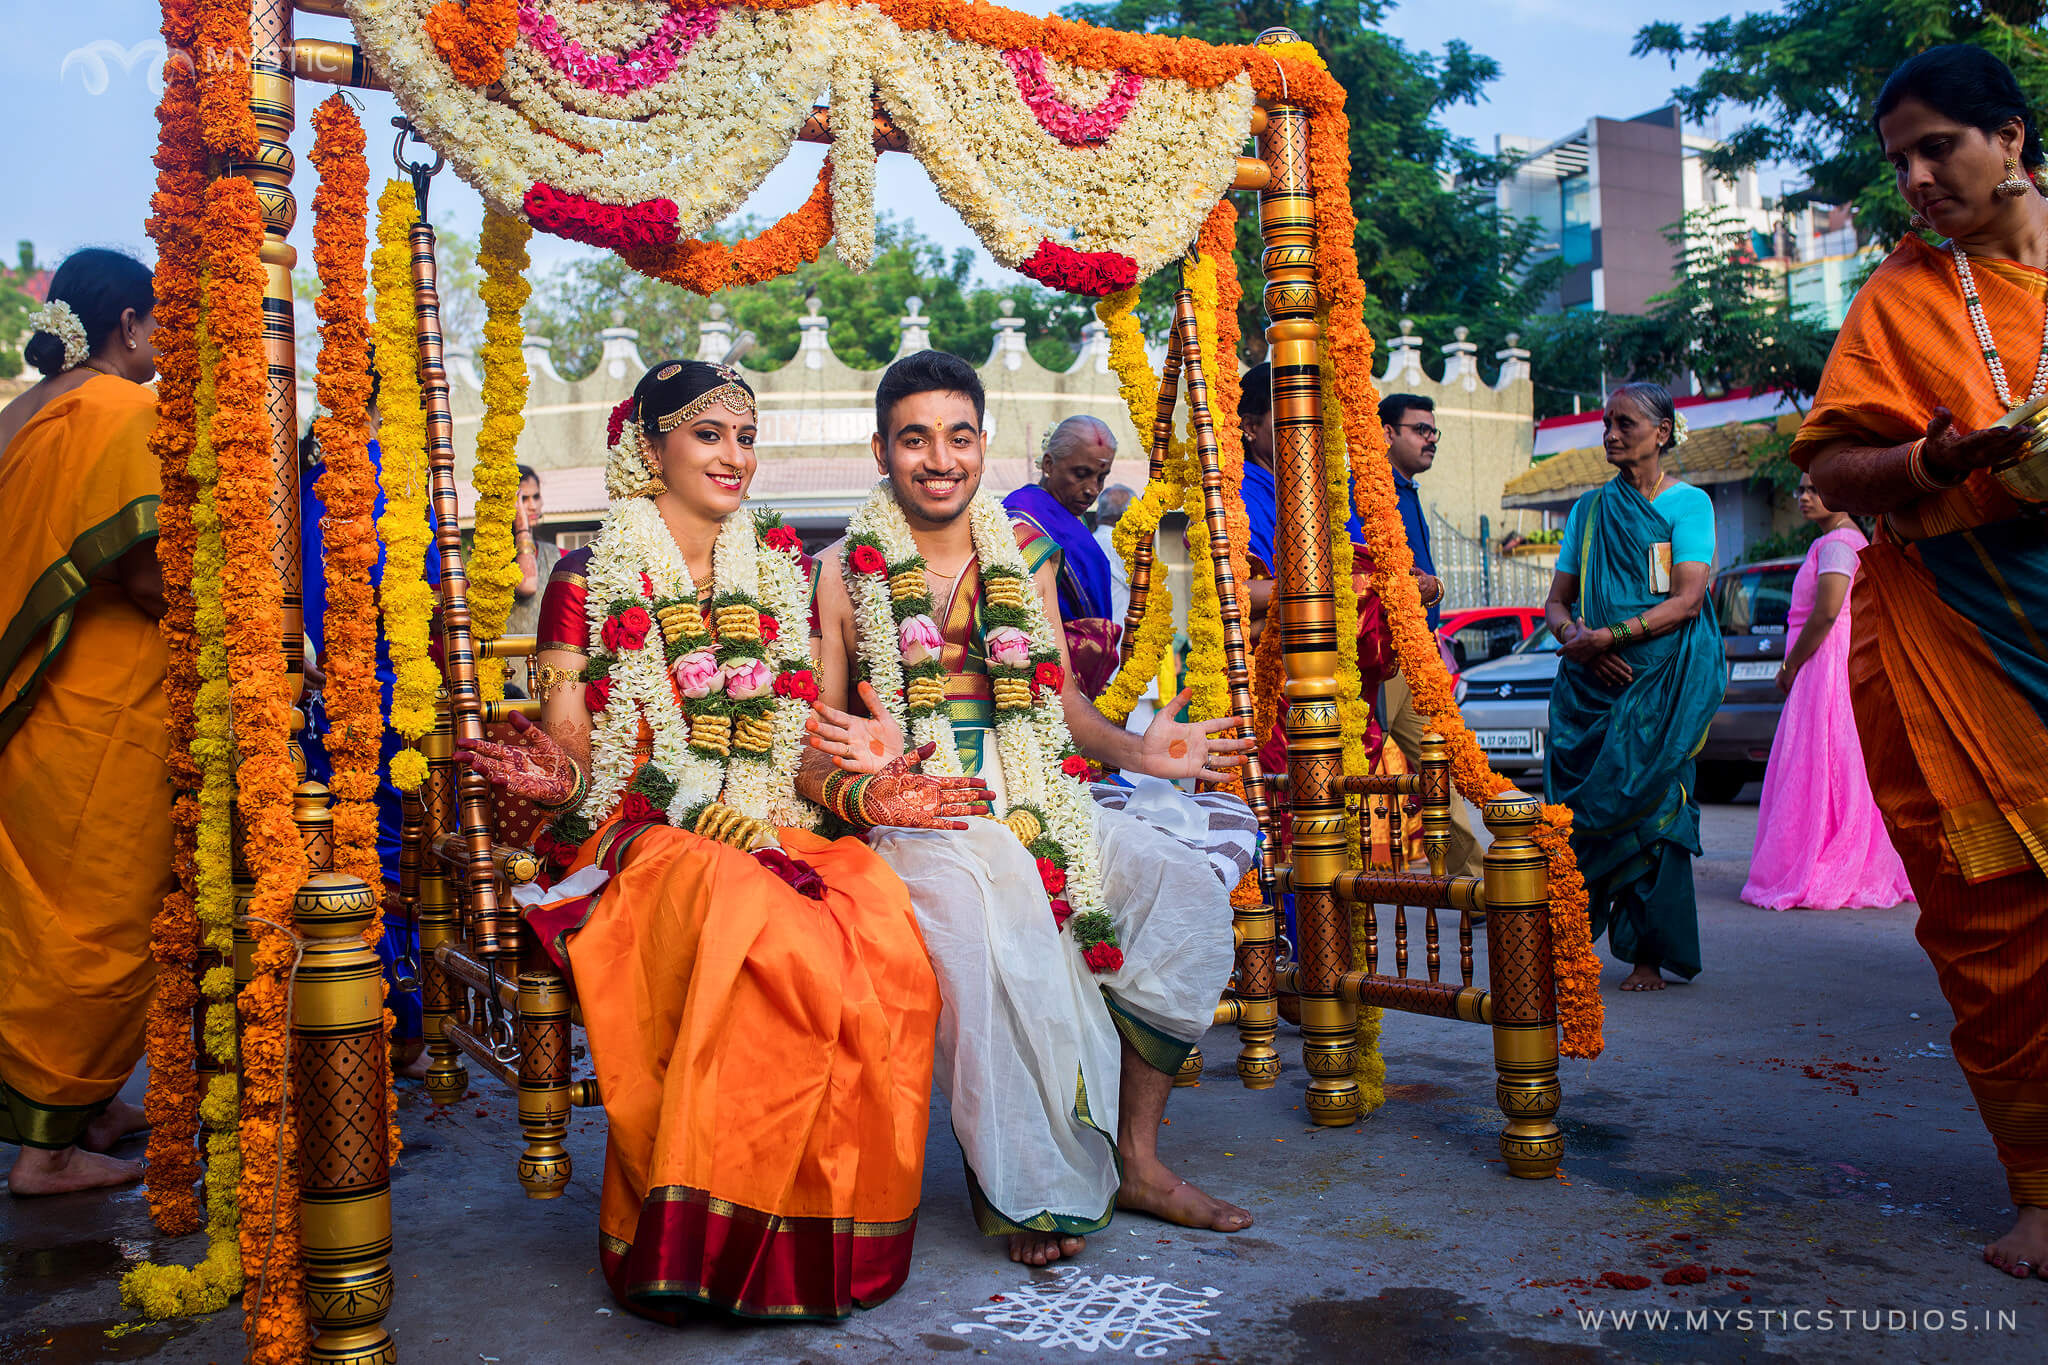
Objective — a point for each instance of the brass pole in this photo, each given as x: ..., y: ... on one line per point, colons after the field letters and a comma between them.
x: 492, y: 931
x: 1522, y: 988
x: 439, y: 914
x: 1315, y: 755
x: 338, y: 1092
x: 1162, y: 441
x: 1187, y: 333
x: 543, y: 1082
x: 1436, y: 797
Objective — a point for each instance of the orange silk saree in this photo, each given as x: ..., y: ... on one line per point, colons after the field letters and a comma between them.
x: 85, y: 813
x: 1949, y: 672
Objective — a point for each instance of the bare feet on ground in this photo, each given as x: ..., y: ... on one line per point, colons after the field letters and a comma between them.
x: 120, y: 1119
x: 1149, y: 1187
x: 38, y: 1171
x: 1043, y: 1248
x: 2024, y: 1250
x: 409, y: 1059
x: 1643, y: 979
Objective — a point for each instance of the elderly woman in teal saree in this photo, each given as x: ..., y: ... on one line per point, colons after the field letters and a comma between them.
x: 1641, y: 677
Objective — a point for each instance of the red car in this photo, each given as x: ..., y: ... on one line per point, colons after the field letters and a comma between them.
x: 1477, y: 635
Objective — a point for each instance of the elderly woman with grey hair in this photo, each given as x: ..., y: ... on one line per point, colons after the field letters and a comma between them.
x: 1076, y: 456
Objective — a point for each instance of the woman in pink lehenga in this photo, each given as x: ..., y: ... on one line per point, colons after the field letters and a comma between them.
x: 1820, y: 843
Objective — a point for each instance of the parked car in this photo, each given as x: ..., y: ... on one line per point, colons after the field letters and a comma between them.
x: 1478, y: 635
x: 1506, y: 703
x: 1752, y: 601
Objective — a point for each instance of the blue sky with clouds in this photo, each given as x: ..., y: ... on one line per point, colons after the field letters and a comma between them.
x: 76, y: 99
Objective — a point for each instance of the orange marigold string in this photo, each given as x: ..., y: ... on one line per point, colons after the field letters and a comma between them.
x: 220, y: 47
x: 472, y: 37
x: 1577, y: 969
x: 274, y: 1315
x: 706, y: 267
x: 171, y: 1104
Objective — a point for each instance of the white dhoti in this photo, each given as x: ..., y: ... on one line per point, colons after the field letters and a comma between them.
x: 1028, y: 1049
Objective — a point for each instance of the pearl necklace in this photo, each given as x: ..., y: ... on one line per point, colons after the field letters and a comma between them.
x: 1985, y: 342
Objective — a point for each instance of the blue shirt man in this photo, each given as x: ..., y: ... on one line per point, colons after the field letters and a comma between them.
x: 1412, y: 435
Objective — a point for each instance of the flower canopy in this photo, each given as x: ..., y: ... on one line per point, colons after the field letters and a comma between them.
x: 634, y: 124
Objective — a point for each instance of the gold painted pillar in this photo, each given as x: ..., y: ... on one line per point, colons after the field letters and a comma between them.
x: 339, y: 1056
x: 1315, y: 758
x: 543, y: 1082
x: 439, y: 913
x: 1522, y: 983
x: 1436, y: 798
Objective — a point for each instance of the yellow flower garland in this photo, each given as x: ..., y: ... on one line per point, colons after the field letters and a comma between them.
x: 408, y: 602
x: 493, y: 574
x: 168, y: 1291
x: 1140, y: 522
x: 1206, y: 664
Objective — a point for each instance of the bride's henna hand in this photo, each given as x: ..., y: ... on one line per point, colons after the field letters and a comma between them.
x: 532, y: 766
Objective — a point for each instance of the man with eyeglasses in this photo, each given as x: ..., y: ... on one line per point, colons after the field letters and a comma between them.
x: 1412, y: 435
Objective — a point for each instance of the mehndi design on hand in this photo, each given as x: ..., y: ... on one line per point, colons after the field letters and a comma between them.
x: 532, y: 766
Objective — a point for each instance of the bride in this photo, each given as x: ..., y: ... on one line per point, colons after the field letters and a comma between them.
x: 759, y: 1002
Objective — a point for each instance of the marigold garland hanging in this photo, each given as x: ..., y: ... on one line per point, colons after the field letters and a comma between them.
x: 171, y: 1105
x: 472, y: 35
x: 347, y: 487
x: 493, y: 572
x: 705, y: 267
x: 260, y: 693
x: 404, y: 528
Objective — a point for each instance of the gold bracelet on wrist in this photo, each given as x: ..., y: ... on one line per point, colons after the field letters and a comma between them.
x: 1924, y: 478
x: 575, y: 796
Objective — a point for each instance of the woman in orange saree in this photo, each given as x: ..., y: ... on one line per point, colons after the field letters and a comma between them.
x: 760, y: 1007
x: 1947, y: 662
x: 85, y: 814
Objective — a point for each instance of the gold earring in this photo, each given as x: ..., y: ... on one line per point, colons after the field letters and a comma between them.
x: 2014, y: 185
x: 1918, y: 222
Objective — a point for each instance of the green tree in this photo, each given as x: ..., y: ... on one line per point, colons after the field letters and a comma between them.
x: 1430, y: 244
x: 16, y: 303
x: 1808, y: 76
x: 585, y: 296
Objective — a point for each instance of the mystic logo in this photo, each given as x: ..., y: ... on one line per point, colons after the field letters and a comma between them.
x: 94, y: 58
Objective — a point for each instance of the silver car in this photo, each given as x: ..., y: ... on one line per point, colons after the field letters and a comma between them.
x: 1506, y: 705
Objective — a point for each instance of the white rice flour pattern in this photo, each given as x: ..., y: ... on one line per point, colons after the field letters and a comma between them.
x: 1134, y: 1313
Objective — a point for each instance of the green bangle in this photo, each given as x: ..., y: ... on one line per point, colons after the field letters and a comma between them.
x: 575, y: 797
x: 1621, y: 632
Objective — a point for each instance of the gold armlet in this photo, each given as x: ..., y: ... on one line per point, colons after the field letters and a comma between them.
x: 549, y: 679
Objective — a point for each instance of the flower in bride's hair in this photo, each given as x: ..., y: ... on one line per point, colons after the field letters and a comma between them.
x: 615, y: 425
x: 697, y: 673
x: 746, y: 679
x: 1009, y: 646
x: 919, y: 639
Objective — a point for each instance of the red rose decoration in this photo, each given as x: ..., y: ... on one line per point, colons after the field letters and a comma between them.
x: 1103, y: 958
x: 1061, y: 913
x: 637, y: 809
x: 770, y: 629
x: 1073, y: 765
x: 800, y: 684
x: 646, y: 587
x: 867, y: 559
x: 1073, y: 272
x: 617, y: 227
x: 615, y: 425
x: 627, y: 630
x: 596, y: 693
x: 785, y: 539
x: 1051, y: 876
x: 1050, y: 676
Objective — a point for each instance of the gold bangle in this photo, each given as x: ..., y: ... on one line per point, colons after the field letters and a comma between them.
x: 1923, y: 478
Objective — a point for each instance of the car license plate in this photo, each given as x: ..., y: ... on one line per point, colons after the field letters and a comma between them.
x: 1506, y: 741
x: 1753, y: 672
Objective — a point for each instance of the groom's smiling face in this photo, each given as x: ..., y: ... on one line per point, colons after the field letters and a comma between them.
x: 933, y: 455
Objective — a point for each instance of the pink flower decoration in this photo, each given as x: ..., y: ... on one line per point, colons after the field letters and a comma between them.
x: 617, y: 227
x: 652, y: 62
x: 746, y: 679
x: 1009, y: 647
x: 1074, y: 127
x: 919, y: 639
x: 697, y: 673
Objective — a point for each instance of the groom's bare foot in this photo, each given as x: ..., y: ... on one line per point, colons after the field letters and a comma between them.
x: 39, y: 1171
x: 118, y: 1120
x: 1043, y: 1248
x: 2023, y: 1251
x: 1149, y: 1187
x: 1643, y: 978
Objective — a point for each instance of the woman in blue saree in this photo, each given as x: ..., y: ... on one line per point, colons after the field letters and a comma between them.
x: 1641, y: 677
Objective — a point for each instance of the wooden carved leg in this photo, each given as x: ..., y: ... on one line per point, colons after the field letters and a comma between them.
x: 543, y: 1082
x: 1523, y: 988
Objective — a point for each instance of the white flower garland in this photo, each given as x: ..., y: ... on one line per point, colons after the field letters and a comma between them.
x: 1032, y: 741
x: 706, y: 134
x: 58, y: 319
x: 635, y: 560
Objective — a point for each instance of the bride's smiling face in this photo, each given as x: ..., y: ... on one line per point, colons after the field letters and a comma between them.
x: 708, y: 462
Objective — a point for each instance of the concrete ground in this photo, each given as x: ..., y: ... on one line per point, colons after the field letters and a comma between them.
x: 1791, y: 1124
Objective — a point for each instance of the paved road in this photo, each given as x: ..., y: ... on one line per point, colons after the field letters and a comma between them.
x: 1791, y: 1124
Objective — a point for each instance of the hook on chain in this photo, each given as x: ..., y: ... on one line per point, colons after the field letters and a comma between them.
x: 419, y: 172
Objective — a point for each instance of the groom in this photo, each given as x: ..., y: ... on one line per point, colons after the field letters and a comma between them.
x: 1041, y: 1057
